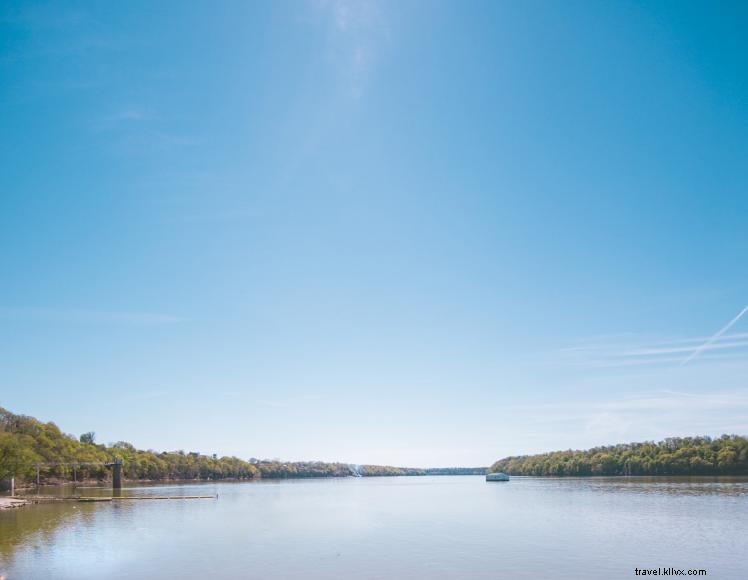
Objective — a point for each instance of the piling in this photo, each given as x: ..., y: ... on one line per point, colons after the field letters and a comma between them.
x: 117, y: 474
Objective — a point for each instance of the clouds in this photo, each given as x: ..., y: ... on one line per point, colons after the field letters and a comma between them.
x: 627, y: 388
x: 301, y: 400
x: 123, y: 116
x: 346, y: 14
x: 611, y: 353
x: 139, y: 130
x: 620, y: 418
x: 713, y: 339
x: 355, y: 31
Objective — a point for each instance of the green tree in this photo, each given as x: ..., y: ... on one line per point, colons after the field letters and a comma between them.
x: 16, y: 459
x: 88, y: 438
x: 673, y: 456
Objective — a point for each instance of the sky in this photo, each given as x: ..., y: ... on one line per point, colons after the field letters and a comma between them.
x: 406, y: 233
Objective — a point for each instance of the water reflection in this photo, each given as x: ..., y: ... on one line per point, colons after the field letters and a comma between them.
x: 681, y: 485
x: 411, y: 527
x: 36, y: 525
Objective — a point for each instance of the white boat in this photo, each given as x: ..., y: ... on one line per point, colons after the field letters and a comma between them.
x: 497, y: 477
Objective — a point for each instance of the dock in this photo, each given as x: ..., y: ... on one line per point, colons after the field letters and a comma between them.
x: 139, y: 497
x: 94, y: 499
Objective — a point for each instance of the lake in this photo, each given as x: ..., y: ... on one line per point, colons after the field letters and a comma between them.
x: 399, y: 527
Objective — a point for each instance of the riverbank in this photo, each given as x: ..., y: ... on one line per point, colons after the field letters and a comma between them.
x: 674, y: 456
x: 8, y: 503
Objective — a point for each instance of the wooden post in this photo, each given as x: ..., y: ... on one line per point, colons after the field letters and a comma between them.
x: 12, y: 486
x: 37, y: 479
x: 117, y: 474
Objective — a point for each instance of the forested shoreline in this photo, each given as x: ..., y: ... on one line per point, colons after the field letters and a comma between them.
x: 725, y: 455
x: 26, y: 443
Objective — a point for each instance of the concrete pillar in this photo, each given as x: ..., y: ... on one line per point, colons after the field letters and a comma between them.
x: 117, y: 474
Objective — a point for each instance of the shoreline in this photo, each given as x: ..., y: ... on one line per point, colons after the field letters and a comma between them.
x: 9, y: 503
x: 27, y: 489
x: 27, y: 486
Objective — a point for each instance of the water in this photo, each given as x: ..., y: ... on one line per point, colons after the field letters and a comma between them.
x: 407, y: 527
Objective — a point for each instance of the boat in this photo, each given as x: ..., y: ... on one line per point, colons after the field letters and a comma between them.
x: 498, y: 476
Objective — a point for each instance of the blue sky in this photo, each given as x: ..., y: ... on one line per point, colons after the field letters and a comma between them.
x: 416, y: 233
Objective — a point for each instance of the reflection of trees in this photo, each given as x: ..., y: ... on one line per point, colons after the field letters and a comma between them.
x: 38, y: 522
x: 731, y: 486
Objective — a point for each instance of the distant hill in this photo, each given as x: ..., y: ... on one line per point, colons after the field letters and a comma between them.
x: 26, y: 442
x: 726, y: 455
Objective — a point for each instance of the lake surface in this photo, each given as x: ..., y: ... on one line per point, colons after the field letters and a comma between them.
x: 400, y: 527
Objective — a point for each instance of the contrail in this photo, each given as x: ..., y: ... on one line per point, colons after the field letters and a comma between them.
x: 724, y: 329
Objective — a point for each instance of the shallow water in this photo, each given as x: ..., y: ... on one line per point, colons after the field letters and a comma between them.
x: 404, y: 527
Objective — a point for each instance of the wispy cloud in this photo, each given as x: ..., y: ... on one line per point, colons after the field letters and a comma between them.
x: 119, y: 117
x: 290, y: 401
x: 714, y: 338
x: 149, y: 395
x: 643, y: 416
x: 136, y: 128
x: 604, y: 353
x: 86, y: 316
x: 356, y: 28
x: 655, y: 402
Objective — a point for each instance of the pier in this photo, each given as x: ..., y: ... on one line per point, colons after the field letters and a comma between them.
x: 94, y: 499
x: 116, y: 467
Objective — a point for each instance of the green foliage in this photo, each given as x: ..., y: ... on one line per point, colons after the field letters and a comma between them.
x: 455, y: 471
x: 280, y: 470
x: 385, y: 470
x: 26, y: 442
x: 89, y: 438
x: 16, y: 459
x: 726, y: 455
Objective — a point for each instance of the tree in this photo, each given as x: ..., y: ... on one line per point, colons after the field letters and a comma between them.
x: 88, y: 438
x: 16, y: 459
x: 673, y: 456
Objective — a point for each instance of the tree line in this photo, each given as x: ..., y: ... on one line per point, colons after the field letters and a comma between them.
x: 725, y: 455
x: 26, y: 443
